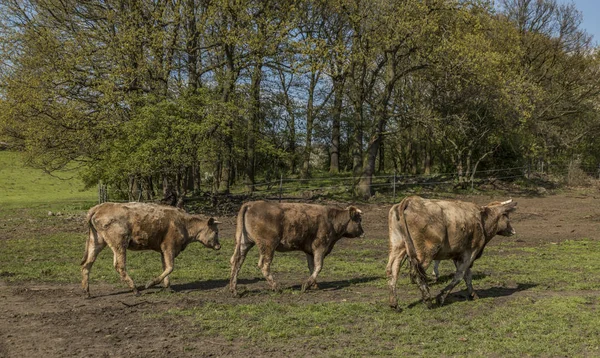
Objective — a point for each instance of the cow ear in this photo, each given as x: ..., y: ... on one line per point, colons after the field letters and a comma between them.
x: 213, y: 221
x: 354, y: 212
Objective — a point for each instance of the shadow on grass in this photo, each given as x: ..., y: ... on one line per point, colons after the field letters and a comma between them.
x: 492, y: 292
x: 183, y: 287
x: 209, y: 284
x: 323, y: 286
x: 445, y: 279
x: 338, y: 285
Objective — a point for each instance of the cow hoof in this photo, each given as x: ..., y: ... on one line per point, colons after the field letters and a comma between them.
x: 439, y: 300
x: 428, y: 304
x: 395, y: 306
x: 473, y: 297
x: 149, y: 284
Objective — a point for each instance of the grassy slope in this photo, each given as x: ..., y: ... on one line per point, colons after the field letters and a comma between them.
x: 20, y: 185
x: 535, y: 301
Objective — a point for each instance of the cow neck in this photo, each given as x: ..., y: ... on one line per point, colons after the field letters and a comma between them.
x: 193, y: 226
x: 340, y: 223
x: 490, y: 226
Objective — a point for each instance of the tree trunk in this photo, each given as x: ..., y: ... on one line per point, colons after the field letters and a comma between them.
x: 309, y: 126
x: 427, y: 162
x: 192, y: 44
x: 357, y: 142
x: 381, y: 167
x: 364, y: 186
x: 253, y: 123
x: 227, y: 161
x: 334, y: 164
x: 169, y: 191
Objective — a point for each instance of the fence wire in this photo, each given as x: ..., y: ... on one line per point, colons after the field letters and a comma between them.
x: 347, y: 184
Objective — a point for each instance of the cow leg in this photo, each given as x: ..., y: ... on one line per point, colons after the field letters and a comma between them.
x: 436, y: 271
x: 119, y: 261
x: 168, y: 260
x: 264, y: 263
x: 468, y: 278
x: 421, y: 277
x: 166, y: 282
x: 318, y: 258
x: 461, y: 268
x: 395, y: 261
x: 310, y: 260
x: 94, y: 246
x: 239, y: 255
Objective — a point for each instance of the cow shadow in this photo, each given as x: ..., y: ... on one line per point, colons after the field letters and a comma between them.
x: 209, y: 284
x: 323, y: 286
x: 340, y: 284
x: 492, y: 292
x: 445, y: 279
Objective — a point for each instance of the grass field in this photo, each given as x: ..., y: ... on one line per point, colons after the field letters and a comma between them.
x: 536, y: 300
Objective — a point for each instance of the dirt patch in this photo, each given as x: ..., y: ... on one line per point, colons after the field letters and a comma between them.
x: 54, y: 320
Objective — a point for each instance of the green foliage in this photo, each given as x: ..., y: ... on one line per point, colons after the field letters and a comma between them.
x: 163, y: 137
x: 163, y: 92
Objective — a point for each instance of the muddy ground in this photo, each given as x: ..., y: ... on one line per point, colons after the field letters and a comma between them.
x: 54, y: 320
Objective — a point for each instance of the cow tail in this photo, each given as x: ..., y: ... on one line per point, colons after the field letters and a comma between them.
x: 410, y: 246
x: 91, y: 229
x: 240, y: 230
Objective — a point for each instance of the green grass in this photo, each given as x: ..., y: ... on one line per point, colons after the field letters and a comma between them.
x: 536, y: 301
x: 556, y: 315
x: 20, y: 185
x: 553, y: 326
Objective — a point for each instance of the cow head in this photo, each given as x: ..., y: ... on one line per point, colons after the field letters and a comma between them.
x: 210, y: 236
x: 354, y: 227
x: 495, y: 218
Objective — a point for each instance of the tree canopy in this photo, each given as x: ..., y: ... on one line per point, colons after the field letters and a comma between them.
x: 191, y: 93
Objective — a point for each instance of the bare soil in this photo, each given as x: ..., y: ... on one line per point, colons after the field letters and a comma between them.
x: 55, y: 320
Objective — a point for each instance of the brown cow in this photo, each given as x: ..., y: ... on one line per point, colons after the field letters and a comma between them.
x: 139, y: 226
x: 441, y: 230
x: 313, y: 229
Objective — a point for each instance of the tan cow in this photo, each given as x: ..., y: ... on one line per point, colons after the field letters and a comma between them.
x: 313, y: 229
x: 139, y: 226
x: 430, y: 230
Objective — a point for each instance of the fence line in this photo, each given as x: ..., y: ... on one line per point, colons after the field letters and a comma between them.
x: 356, y: 178
x: 345, y: 184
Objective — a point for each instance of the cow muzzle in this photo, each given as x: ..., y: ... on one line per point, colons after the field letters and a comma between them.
x: 217, y: 247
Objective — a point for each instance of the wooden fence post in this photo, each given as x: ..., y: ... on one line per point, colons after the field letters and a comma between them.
x: 280, y: 186
x: 394, y: 184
